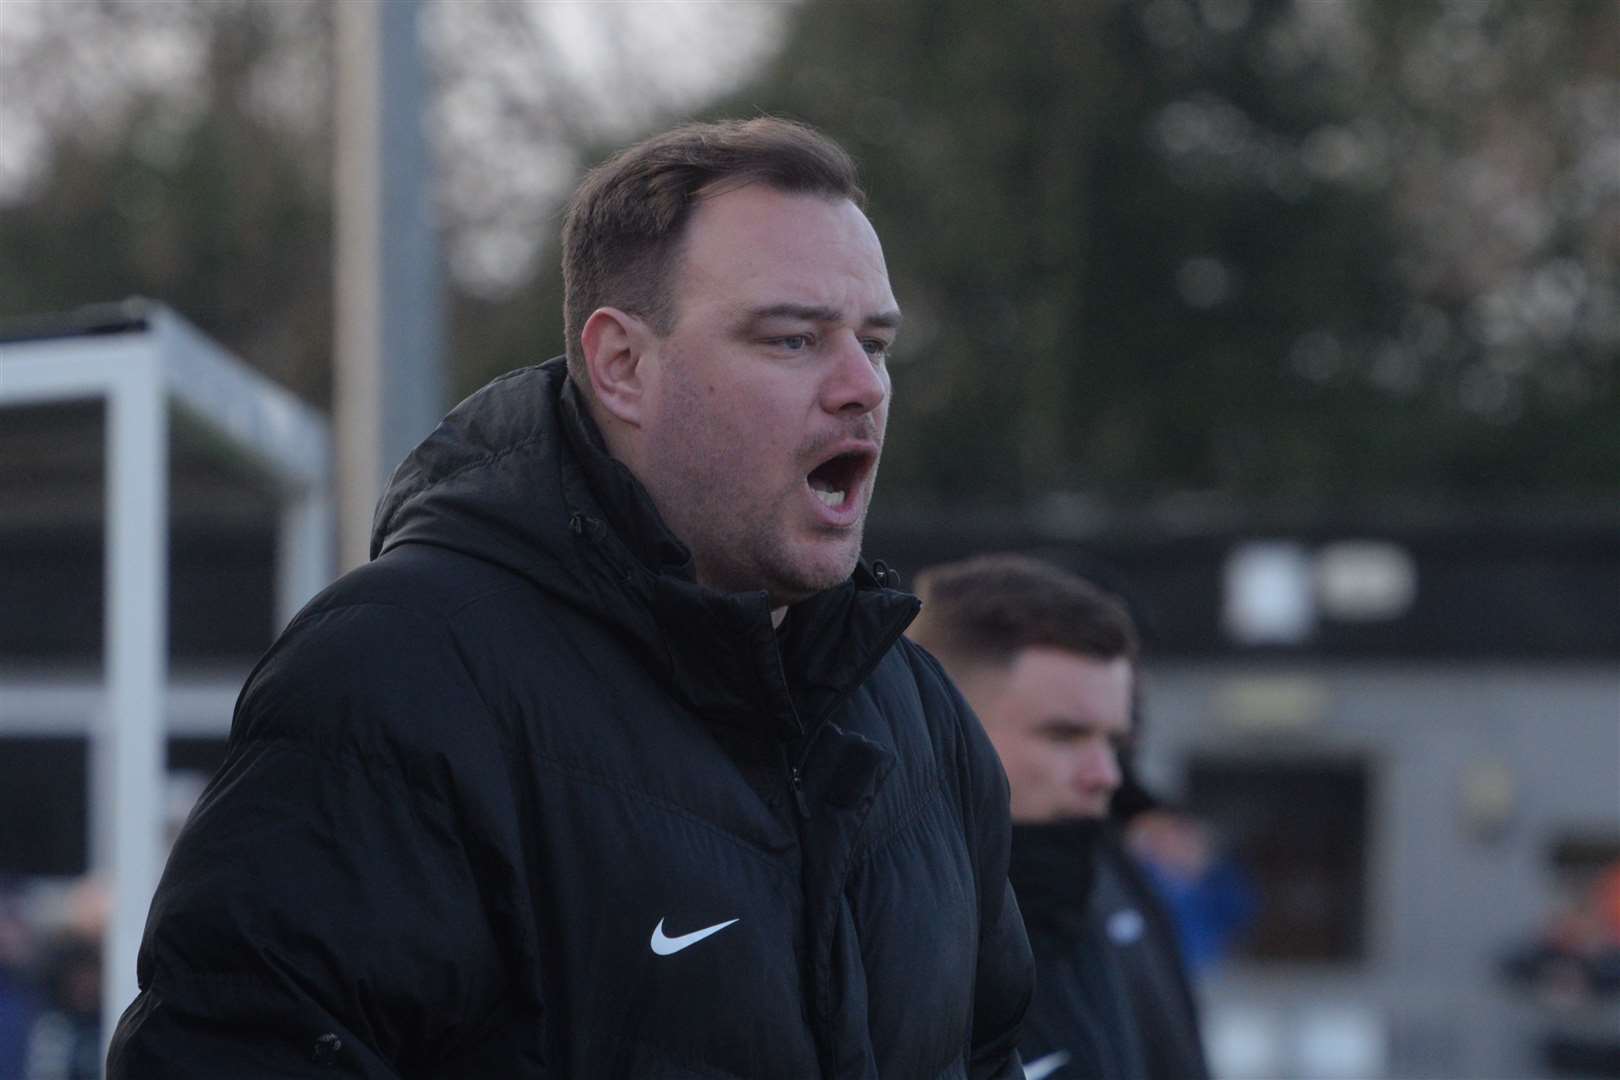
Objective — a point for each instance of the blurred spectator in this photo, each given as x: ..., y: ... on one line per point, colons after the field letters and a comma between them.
x: 1575, y: 957
x: 64, y: 1042
x: 19, y: 1004
x: 1572, y: 967
x: 1209, y: 895
x: 1606, y: 895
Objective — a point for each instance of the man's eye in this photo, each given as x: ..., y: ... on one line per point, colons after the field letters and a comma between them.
x: 876, y: 347
x: 792, y: 342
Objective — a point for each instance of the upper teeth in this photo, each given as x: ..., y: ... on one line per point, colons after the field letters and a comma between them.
x: 831, y: 498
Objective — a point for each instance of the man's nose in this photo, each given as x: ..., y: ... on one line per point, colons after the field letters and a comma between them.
x: 1100, y: 769
x: 858, y: 382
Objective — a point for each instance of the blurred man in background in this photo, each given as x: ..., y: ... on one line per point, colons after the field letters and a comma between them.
x: 613, y: 762
x: 1048, y: 661
x: 19, y: 1000
x: 1209, y: 895
x: 64, y: 1040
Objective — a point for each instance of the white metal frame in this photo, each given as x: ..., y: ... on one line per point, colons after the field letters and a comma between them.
x: 142, y: 374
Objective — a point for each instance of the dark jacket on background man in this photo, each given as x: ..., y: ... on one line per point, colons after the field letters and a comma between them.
x: 520, y: 799
x: 1143, y: 936
x: 1158, y: 976
x: 1112, y: 1000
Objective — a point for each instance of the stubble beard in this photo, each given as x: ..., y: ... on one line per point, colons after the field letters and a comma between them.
x: 762, y: 554
x: 811, y: 580
x: 758, y: 546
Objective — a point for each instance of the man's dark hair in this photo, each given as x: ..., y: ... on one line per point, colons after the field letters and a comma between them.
x: 986, y: 609
x: 623, y: 230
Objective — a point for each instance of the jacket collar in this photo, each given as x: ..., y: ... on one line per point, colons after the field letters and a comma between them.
x: 1054, y: 870
x: 518, y: 475
x: 627, y: 508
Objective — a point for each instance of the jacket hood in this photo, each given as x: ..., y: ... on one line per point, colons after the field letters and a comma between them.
x: 518, y: 475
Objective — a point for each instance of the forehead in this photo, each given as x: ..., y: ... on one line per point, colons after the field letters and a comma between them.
x: 756, y: 245
x: 1047, y: 683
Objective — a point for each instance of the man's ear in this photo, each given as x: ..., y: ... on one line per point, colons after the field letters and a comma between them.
x: 614, y: 344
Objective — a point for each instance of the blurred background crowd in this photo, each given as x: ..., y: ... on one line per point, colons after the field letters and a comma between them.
x: 1297, y: 322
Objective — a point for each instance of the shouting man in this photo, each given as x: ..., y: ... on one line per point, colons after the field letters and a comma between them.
x: 613, y: 762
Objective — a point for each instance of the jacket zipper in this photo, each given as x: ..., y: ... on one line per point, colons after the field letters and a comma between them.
x: 796, y: 778
x: 796, y: 769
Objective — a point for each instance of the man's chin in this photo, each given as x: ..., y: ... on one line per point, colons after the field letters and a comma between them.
x: 1053, y: 815
x: 816, y: 572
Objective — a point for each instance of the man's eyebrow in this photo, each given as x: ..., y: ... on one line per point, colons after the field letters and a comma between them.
x: 889, y: 319
x: 1068, y: 723
x: 814, y: 313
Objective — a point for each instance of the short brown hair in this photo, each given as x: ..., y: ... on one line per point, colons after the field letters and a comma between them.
x: 988, y: 608
x: 623, y: 230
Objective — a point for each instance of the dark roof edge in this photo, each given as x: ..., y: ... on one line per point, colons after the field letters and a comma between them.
x: 109, y: 317
x: 1231, y: 519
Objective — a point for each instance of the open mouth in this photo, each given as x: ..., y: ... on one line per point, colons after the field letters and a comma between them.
x: 835, y: 480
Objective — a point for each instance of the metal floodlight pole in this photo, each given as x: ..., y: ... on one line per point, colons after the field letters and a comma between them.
x: 389, y: 386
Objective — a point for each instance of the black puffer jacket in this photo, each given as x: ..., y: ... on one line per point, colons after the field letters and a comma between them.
x: 518, y: 799
x: 1113, y: 1001
x: 1080, y: 1025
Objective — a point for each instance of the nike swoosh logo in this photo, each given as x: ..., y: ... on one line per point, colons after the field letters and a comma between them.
x: 669, y: 946
x: 1125, y: 926
x: 1041, y: 1068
